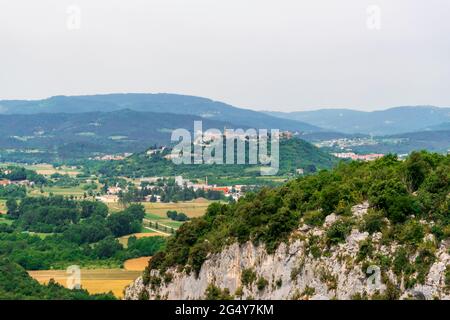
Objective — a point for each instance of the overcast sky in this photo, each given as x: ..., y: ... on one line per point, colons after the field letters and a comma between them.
x: 262, y: 54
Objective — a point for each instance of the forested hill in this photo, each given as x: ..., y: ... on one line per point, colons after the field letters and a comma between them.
x: 166, y: 103
x: 294, y: 154
x: 84, y: 134
x: 388, y: 213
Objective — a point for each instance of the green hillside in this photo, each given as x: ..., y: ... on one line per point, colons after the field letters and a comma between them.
x: 294, y: 154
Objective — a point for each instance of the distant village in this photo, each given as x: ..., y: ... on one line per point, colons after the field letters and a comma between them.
x: 234, y: 192
x: 362, y: 157
x: 150, y: 183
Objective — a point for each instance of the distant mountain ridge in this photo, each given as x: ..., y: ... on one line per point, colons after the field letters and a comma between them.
x: 81, y: 134
x: 384, y: 122
x: 160, y: 103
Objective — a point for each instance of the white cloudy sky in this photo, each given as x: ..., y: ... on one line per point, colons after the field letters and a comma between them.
x: 261, y: 54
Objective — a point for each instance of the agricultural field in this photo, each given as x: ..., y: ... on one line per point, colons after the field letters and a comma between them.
x: 192, y: 209
x: 94, y: 280
x: 3, y: 206
x: 137, y: 264
x: 5, y: 221
x: 46, y: 169
x: 145, y: 233
x: 156, y: 219
x: 77, y: 191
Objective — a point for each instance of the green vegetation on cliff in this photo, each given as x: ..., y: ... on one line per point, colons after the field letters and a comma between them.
x: 408, y: 200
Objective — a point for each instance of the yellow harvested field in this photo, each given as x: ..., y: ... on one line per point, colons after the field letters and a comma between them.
x: 47, y: 169
x: 190, y: 208
x: 137, y: 264
x: 95, y: 280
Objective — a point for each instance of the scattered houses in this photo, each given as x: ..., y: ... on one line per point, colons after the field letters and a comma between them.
x: 108, y: 198
x: 354, y: 156
x: 113, y: 157
x: 114, y: 190
x: 5, y: 182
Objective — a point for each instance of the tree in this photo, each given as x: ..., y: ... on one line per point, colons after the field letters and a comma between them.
x: 416, y: 170
x: 11, y: 205
x: 107, y: 247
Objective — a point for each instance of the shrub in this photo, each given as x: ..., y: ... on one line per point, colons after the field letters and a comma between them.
x: 447, y: 276
x: 412, y: 232
x: 198, y: 254
x: 365, y: 250
x: 143, y: 295
x: 401, y: 263
x: 215, y: 293
x: 314, y: 218
x: 279, y: 283
x: 309, y: 291
x: 373, y: 222
x: 248, y: 276
x: 423, y: 262
x: 239, y: 292
x: 154, y: 281
x: 167, y: 277
x: 338, y: 231
x: 262, y: 283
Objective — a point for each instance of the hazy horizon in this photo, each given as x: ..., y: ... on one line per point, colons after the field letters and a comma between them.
x: 255, y: 54
x: 242, y: 107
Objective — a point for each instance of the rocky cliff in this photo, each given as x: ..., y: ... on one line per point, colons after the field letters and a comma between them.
x: 362, y: 266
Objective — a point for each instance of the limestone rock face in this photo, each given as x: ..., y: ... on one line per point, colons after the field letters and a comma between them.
x: 292, y: 272
x: 330, y: 277
x: 360, y: 209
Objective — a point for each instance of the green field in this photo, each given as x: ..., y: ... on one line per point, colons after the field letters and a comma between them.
x: 5, y: 221
x: 45, y: 169
x: 41, y: 235
x: 77, y: 191
x: 192, y: 209
x: 156, y: 212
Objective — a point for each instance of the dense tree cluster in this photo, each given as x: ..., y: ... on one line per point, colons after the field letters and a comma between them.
x: 81, y: 221
x: 14, y: 173
x: 54, y: 232
x: 167, y: 193
x: 177, y: 216
x: 12, y: 191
